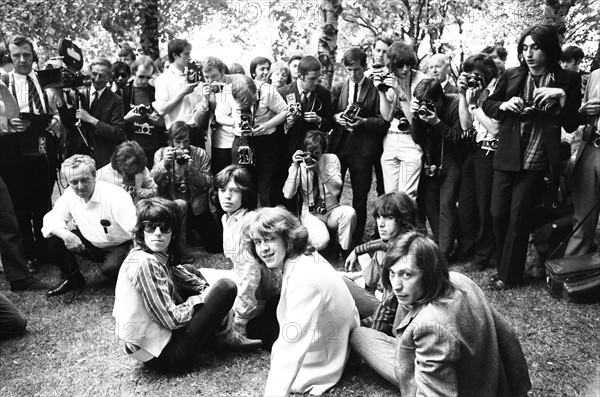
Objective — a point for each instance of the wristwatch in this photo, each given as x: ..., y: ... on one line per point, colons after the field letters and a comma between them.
x: 473, y: 107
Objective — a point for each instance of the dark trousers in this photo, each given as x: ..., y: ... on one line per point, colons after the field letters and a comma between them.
x: 265, y: 327
x: 12, y: 321
x: 11, y: 244
x: 366, y: 303
x: 187, y: 342
x: 379, y: 175
x: 207, y: 227
x: 514, y: 195
x: 467, y: 208
x: 219, y: 159
x: 29, y: 181
x: 361, y: 177
x: 438, y: 196
x: 485, y: 245
x: 109, y: 259
x: 266, y: 149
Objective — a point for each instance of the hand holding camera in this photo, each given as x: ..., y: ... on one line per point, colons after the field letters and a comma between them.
x: 425, y: 110
x: 514, y: 104
x: 470, y: 85
x: 384, y: 81
x: 179, y: 156
x: 544, y: 95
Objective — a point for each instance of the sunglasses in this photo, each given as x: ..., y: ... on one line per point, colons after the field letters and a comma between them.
x: 123, y: 75
x: 150, y: 227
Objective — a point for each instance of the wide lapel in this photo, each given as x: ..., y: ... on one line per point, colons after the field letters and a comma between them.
x: 364, y: 89
x: 515, y: 82
x: 344, y: 95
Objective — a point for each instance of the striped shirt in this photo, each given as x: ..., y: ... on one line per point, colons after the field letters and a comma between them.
x: 154, y: 280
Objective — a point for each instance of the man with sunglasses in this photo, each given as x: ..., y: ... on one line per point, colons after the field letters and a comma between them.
x: 142, y: 123
x: 104, y: 216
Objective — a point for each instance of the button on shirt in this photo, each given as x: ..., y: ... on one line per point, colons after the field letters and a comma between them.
x: 107, y: 202
x: 22, y: 92
x: 351, y: 86
x: 167, y: 86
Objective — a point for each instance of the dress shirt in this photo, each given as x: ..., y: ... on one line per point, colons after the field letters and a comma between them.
x: 98, y: 95
x: 351, y: 89
x: 22, y: 91
x: 168, y: 85
x: 486, y: 127
x: 107, y: 202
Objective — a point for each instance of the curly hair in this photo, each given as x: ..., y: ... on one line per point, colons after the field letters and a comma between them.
x: 165, y: 211
x: 429, y: 259
x: 269, y: 222
x: 242, y: 178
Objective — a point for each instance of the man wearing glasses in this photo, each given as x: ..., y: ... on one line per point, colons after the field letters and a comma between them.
x: 105, y: 217
x: 143, y: 124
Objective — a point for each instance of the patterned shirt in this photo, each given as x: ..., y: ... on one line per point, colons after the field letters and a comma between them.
x: 154, y: 280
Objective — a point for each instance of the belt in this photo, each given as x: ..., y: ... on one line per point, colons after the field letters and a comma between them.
x: 398, y: 132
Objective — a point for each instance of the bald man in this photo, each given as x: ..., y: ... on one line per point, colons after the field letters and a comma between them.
x: 438, y: 69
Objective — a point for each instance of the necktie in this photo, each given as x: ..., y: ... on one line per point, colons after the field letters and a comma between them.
x: 304, y: 100
x: 35, y: 104
x: 355, y: 98
x: 94, y: 102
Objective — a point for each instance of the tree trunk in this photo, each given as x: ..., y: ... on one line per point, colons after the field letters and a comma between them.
x: 330, y: 12
x: 149, y: 27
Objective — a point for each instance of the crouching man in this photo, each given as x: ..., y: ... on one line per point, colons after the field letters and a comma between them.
x: 104, y: 216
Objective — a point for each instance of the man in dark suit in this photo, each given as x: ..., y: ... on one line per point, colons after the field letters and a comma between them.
x: 357, y: 140
x: 103, y: 123
x: 438, y: 69
x: 532, y: 102
x: 315, y: 109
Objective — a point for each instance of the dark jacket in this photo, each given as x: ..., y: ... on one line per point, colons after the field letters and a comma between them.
x: 322, y: 106
x: 508, y: 155
x: 366, y: 140
x: 449, y: 129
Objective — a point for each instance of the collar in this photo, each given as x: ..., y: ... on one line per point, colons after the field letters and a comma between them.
x: 411, y: 312
x: 173, y: 69
x: 162, y: 258
x: 300, y: 89
x: 236, y: 216
x: 24, y: 76
x: 92, y: 90
x: 360, y: 82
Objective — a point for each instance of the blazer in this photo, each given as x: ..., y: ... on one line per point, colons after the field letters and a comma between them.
x: 316, y: 314
x: 366, y: 140
x: 508, y: 155
x: 458, y: 346
x: 322, y: 106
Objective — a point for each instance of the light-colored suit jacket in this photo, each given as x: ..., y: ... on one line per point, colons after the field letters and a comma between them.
x: 458, y: 346
x: 316, y: 314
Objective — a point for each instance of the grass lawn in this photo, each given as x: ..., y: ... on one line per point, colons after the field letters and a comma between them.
x: 71, y: 350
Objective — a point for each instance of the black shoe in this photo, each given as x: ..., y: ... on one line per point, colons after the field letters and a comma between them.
x: 32, y: 266
x: 72, y: 283
x: 28, y: 284
x: 498, y: 285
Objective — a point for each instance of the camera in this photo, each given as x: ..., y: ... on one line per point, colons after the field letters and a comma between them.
x: 68, y: 75
x: 470, y: 137
x: 551, y: 107
x: 141, y: 109
x: 295, y: 109
x: 351, y: 112
x: 216, y: 87
x: 180, y: 156
x: 403, y: 123
x: 129, y: 184
x: 492, y: 144
x: 432, y: 170
x: 474, y: 80
x: 308, y: 158
x: 194, y: 72
x: 319, y: 209
x: 246, y: 157
x: 425, y: 107
x: 380, y: 77
x: 246, y: 121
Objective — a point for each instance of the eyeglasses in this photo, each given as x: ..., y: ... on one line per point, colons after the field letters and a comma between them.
x: 399, y: 65
x: 150, y: 227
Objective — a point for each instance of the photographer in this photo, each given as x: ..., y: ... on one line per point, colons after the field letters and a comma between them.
x: 127, y: 169
x: 318, y: 176
x: 182, y: 172
x: 121, y: 76
x: 143, y: 124
x: 532, y: 102
x: 437, y: 128
x: 254, y: 114
x: 357, y: 138
x: 476, y: 238
x: 220, y: 136
x: 401, y: 157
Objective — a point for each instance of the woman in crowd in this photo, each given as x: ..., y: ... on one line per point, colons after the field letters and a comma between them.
x: 121, y: 75
x: 279, y: 74
x: 256, y: 283
x: 170, y: 327
x: 401, y: 158
x: 318, y: 175
x: 449, y: 341
x: 127, y: 168
x: 313, y: 311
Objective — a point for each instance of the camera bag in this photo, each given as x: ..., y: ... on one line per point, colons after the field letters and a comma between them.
x: 575, y: 278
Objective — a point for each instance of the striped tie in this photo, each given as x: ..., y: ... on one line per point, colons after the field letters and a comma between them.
x: 35, y: 104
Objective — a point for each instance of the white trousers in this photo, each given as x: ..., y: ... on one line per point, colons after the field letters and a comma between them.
x: 401, y: 164
x: 340, y: 220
